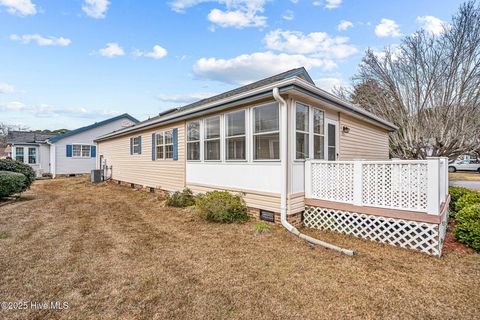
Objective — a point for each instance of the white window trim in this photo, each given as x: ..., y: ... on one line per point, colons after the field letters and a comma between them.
x: 164, y: 145
x: 308, y: 132
x: 220, y: 121
x: 81, y: 153
x: 253, y: 134
x: 245, y: 135
x: 200, y: 128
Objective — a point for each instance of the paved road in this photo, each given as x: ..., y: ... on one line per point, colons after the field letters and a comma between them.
x: 466, y: 184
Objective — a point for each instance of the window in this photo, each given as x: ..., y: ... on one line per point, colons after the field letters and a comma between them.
x: 136, y: 145
x: 318, y: 134
x: 81, y: 151
x: 165, y: 145
x: 235, y: 135
x: 212, y: 138
x: 301, y: 131
x: 32, y: 155
x: 19, y: 154
x: 193, y: 140
x: 266, y: 134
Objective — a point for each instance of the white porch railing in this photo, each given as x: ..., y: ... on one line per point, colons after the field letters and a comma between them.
x: 414, y: 185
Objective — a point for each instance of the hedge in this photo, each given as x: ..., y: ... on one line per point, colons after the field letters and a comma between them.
x: 467, y: 200
x: 181, y: 199
x: 455, y: 194
x: 467, y: 229
x: 222, y: 206
x: 11, y: 183
x: 20, y: 167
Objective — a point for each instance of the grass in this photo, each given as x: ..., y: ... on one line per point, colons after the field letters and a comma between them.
x: 4, y: 235
x: 261, y: 227
x: 115, y: 253
x: 465, y: 176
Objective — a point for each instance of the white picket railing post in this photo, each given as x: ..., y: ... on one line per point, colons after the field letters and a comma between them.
x: 442, y: 180
x: 308, y: 179
x: 445, y: 173
x: 357, y: 183
x: 433, y: 185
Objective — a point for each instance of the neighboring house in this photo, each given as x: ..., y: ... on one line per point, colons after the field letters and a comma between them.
x: 289, y: 148
x: 65, y: 154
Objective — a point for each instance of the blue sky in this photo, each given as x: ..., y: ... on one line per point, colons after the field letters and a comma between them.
x: 65, y: 64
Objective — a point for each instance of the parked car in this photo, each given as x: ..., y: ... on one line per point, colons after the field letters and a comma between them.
x: 465, y: 165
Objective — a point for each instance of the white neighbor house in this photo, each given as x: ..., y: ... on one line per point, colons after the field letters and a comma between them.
x: 65, y: 154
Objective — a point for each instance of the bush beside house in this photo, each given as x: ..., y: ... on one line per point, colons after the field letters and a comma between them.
x: 11, y: 183
x: 222, y: 206
x: 19, y: 167
x: 465, y: 207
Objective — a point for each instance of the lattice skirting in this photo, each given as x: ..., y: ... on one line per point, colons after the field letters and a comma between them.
x: 425, y: 237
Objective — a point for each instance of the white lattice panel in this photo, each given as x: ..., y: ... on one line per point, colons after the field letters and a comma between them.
x: 421, y: 236
x: 395, y: 185
x: 333, y: 181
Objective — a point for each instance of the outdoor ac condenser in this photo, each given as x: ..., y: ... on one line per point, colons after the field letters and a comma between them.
x: 97, y: 176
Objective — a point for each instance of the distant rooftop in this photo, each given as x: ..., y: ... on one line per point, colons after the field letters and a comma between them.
x: 18, y: 137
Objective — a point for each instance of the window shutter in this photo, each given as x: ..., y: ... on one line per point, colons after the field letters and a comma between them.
x: 69, y: 151
x: 131, y: 146
x: 139, y: 144
x: 175, y: 144
x: 93, y: 151
x: 153, y: 147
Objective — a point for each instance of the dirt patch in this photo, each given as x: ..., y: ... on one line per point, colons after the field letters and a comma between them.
x: 115, y: 253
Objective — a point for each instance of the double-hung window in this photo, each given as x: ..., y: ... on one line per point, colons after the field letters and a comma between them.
x: 32, y: 155
x: 81, y: 151
x: 193, y: 140
x: 266, y: 133
x: 235, y: 139
x: 136, y: 144
x: 19, y: 154
x: 164, y: 145
x: 301, y: 131
x: 212, y: 138
x: 318, y: 134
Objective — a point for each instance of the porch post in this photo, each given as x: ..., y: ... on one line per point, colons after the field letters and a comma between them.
x: 433, y: 185
x: 308, y: 179
x: 357, y: 182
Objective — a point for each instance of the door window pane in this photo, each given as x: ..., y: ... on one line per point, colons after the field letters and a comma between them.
x: 331, y: 142
x: 266, y: 118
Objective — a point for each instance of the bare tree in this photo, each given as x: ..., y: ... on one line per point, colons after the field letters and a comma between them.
x: 429, y: 86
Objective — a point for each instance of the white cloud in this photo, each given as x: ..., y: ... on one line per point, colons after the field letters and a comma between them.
x: 236, y: 18
x: 45, y: 110
x: 7, y: 88
x: 332, y: 4
x: 95, y: 8
x: 294, y: 1
x: 41, y: 40
x: 111, y: 50
x: 247, y: 68
x: 238, y: 13
x: 184, y: 98
x: 344, y: 25
x: 387, y: 28
x: 330, y: 83
x: 318, y: 43
x: 157, y: 52
x: 19, y: 7
x: 288, y: 15
x: 431, y: 24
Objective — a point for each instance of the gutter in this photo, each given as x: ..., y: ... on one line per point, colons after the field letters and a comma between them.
x: 283, y: 194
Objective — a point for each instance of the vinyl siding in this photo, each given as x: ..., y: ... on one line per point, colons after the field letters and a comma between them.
x: 364, y: 141
x: 139, y: 168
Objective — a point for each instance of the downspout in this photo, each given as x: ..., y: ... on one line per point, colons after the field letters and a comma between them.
x: 283, y: 194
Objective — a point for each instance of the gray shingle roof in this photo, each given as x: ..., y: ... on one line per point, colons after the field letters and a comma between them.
x: 18, y: 137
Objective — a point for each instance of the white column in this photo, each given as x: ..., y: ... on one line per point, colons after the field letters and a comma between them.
x: 308, y: 179
x: 433, y: 185
x: 357, y: 183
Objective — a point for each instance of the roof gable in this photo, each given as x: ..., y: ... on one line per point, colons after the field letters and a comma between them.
x: 92, y: 126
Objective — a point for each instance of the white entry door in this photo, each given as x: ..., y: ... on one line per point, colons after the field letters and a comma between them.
x: 331, y: 145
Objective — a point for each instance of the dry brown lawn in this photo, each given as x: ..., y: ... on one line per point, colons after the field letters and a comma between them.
x: 114, y: 253
x: 464, y: 176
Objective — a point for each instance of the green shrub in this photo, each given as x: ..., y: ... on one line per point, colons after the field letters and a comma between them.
x: 455, y: 194
x: 262, y: 227
x: 467, y: 229
x: 181, y: 199
x: 20, y: 167
x: 11, y: 183
x: 222, y: 206
x: 467, y: 200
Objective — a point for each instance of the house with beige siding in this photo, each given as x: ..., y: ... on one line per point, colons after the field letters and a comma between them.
x: 264, y: 140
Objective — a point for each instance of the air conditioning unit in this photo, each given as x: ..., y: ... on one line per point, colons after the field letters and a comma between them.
x: 97, y: 175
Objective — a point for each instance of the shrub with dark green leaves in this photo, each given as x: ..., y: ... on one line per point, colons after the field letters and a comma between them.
x: 181, y: 199
x: 11, y: 183
x: 467, y: 229
x: 20, y: 167
x: 467, y: 200
x: 222, y: 206
x: 456, y: 193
